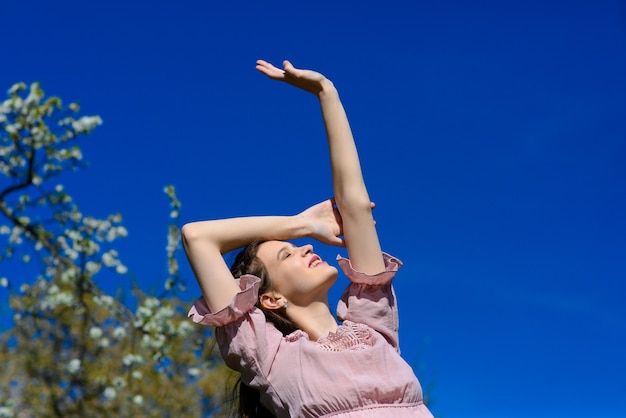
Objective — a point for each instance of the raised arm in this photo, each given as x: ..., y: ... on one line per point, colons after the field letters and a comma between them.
x: 351, y: 196
x: 205, y: 242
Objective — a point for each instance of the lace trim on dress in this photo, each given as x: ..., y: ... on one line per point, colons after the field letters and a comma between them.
x: 349, y: 336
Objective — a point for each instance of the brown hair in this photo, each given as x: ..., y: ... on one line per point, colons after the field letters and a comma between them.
x: 247, y: 262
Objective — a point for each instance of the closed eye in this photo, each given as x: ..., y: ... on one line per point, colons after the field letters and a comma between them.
x: 285, y: 252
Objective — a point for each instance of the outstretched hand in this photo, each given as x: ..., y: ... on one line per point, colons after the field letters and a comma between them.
x: 307, y: 80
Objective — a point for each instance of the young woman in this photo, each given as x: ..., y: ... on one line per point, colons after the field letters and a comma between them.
x: 271, y: 312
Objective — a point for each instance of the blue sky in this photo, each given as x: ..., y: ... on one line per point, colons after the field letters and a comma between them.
x: 492, y: 137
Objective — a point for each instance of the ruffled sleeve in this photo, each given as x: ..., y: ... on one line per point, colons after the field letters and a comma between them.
x: 242, y: 302
x: 247, y: 342
x: 370, y: 298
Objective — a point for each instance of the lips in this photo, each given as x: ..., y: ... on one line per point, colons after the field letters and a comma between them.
x: 315, y: 261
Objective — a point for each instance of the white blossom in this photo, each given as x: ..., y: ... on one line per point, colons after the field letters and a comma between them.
x: 185, y: 328
x: 143, y: 312
x: 70, y: 273
x: 5, y: 107
x: 193, y: 371
x: 108, y: 260
x: 138, y: 400
x: 16, y: 87
x: 119, y: 332
x: 155, y: 342
x: 92, y: 267
x: 16, y: 234
x: 110, y: 393
x: 172, y: 243
x: 12, y: 128
x: 71, y: 253
x: 116, y: 232
x: 17, y: 103
x: 73, y: 366
x: 6, y: 411
x: 172, y: 267
x: 164, y: 312
x: 86, y: 123
x: 103, y: 300
x: 95, y: 332
x: 34, y: 95
x: 4, y: 282
x: 57, y: 298
x: 152, y: 303
x: 121, y: 269
x: 130, y: 359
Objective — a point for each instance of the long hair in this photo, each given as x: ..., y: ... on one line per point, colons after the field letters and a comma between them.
x: 247, y: 262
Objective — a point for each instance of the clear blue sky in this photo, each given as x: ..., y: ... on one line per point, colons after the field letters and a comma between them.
x: 492, y: 136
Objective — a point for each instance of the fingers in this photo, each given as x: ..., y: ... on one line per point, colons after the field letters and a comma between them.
x: 270, y: 70
x: 289, y: 68
x: 276, y: 73
x: 337, y: 242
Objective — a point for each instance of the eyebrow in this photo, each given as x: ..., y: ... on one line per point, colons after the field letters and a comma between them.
x: 285, y: 248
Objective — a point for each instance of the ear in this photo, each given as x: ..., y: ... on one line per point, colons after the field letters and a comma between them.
x: 272, y: 300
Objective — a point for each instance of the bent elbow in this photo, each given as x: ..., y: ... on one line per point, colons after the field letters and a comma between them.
x: 190, y: 232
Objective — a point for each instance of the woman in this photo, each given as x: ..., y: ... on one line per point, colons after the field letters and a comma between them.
x: 274, y: 325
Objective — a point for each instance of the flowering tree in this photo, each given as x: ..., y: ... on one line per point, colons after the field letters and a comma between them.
x: 73, y: 350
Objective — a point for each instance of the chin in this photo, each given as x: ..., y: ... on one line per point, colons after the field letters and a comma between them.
x: 333, y: 274
x: 332, y: 269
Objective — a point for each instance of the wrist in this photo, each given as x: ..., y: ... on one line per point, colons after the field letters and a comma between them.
x: 327, y: 90
x: 301, y: 226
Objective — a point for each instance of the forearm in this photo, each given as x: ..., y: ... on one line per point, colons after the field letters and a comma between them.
x: 205, y: 243
x: 351, y: 195
x: 229, y: 234
x: 348, y: 184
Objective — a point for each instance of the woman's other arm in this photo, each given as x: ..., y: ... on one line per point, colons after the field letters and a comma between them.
x: 205, y: 242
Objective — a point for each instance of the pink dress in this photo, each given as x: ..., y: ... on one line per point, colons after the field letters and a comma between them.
x: 356, y: 372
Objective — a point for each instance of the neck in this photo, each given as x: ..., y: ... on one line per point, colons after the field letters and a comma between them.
x: 315, y: 319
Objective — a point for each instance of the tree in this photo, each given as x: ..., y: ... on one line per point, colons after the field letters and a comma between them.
x: 73, y: 350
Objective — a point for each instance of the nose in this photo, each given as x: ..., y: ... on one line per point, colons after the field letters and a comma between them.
x: 306, y: 249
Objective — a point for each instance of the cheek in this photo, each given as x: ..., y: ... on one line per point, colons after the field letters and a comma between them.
x: 280, y: 278
x: 289, y: 279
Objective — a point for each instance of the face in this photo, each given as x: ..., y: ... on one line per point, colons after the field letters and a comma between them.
x: 298, y: 274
